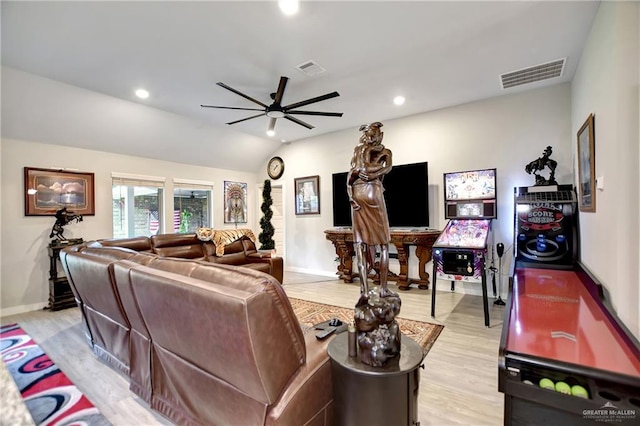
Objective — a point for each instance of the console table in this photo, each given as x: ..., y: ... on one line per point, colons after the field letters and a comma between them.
x: 60, y: 294
x: 423, y: 239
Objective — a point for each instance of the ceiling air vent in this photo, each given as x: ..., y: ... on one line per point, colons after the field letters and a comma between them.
x: 536, y: 73
x: 311, y: 68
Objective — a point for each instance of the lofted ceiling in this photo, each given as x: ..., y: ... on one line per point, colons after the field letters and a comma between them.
x: 435, y: 54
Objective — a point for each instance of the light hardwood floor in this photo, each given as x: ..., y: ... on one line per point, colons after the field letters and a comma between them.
x: 459, y: 384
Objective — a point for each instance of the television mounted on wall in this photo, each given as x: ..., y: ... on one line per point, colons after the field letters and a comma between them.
x: 406, y: 195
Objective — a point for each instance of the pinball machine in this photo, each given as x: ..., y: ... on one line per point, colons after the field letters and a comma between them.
x: 564, y: 356
x: 460, y: 252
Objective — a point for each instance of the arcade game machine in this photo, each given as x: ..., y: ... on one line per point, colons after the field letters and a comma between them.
x: 459, y: 254
x: 564, y: 357
x: 545, y: 226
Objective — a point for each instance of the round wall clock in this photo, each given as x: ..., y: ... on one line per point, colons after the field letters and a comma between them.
x: 275, y: 168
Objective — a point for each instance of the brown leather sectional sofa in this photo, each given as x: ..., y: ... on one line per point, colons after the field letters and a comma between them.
x: 203, y: 343
x: 229, y: 247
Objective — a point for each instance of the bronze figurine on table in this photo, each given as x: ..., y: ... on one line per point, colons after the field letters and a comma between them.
x: 539, y: 165
x: 63, y: 218
x: 376, y: 309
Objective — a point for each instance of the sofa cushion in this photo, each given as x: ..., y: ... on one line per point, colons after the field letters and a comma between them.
x: 225, y: 331
x: 108, y: 325
x: 140, y: 340
x: 134, y: 243
x: 186, y: 246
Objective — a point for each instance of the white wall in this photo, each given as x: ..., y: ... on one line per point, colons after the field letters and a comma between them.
x: 606, y: 84
x: 24, y: 269
x: 506, y: 132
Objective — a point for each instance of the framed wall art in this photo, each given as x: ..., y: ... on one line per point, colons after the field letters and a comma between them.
x: 235, y: 202
x: 587, y: 166
x: 307, y: 195
x: 49, y: 190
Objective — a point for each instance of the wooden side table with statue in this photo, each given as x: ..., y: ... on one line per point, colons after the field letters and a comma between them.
x: 60, y: 294
x: 374, y: 368
x: 366, y: 395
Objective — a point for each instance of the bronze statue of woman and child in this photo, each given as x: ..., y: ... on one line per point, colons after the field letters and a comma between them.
x: 378, y: 333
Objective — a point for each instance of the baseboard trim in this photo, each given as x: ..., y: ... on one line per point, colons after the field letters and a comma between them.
x: 311, y: 271
x: 14, y: 310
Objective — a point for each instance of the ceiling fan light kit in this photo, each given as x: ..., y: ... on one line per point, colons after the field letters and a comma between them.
x: 276, y: 110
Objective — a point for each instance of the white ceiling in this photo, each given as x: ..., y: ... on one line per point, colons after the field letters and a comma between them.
x: 436, y: 54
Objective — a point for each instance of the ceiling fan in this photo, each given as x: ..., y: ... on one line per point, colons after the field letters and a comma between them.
x: 276, y: 110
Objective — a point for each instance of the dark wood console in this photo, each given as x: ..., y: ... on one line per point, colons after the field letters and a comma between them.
x: 60, y: 294
x: 424, y: 239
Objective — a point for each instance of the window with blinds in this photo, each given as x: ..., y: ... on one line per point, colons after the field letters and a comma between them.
x: 137, y: 205
x: 192, y: 205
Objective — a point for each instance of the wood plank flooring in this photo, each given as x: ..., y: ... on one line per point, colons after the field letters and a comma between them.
x: 459, y: 385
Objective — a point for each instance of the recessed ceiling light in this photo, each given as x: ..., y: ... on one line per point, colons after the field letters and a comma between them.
x: 283, y: 140
x: 142, y: 94
x: 271, y: 132
x: 398, y: 100
x: 289, y: 7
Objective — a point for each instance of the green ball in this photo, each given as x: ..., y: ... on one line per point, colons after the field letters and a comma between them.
x: 547, y: 384
x: 579, y: 391
x: 562, y: 387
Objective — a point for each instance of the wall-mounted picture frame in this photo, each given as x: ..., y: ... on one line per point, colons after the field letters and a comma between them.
x: 235, y: 202
x: 307, y: 193
x: 49, y: 190
x: 587, y: 166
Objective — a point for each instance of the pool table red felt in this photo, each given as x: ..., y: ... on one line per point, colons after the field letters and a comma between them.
x: 554, y: 316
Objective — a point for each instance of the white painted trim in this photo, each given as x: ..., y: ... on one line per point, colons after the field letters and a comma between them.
x: 131, y: 176
x: 14, y: 310
x: 311, y: 271
x: 192, y: 181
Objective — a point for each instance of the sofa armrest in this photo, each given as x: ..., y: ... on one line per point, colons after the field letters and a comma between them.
x: 276, y: 263
x: 310, y: 392
x: 260, y: 255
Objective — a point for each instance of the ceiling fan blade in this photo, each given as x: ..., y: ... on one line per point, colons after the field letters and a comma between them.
x: 280, y: 92
x: 224, y: 107
x: 327, y: 114
x: 272, y: 124
x: 311, y: 101
x: 300, y: 122
x: 245, y: 119
x: 231, y: 89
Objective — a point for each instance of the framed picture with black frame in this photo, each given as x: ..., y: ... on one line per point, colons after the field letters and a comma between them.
x: 307, y: 194
x: 587, y: 166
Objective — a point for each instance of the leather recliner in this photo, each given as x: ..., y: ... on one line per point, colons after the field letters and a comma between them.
x: 209, y: 343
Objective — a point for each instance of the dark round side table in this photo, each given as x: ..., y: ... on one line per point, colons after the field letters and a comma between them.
x: 366, y: 395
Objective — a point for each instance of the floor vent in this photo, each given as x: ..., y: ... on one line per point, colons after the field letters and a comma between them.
x: 540, y: 72
x: 311, y: 68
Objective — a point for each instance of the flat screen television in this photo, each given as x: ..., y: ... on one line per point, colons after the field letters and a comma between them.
x: 406, y: 196
x: 470, y: 194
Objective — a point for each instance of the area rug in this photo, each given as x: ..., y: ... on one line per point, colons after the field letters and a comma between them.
x: 311, y: 313
x: 48, y: 393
